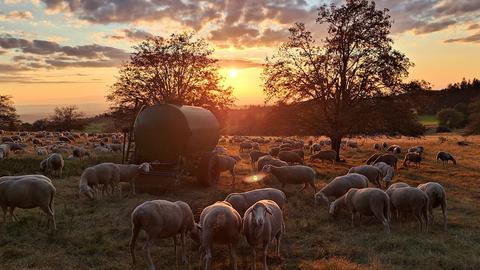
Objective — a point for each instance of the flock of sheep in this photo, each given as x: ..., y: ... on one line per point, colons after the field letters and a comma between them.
x: 256, y: 215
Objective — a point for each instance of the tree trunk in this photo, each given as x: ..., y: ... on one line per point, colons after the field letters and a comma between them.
x: 336, y: 143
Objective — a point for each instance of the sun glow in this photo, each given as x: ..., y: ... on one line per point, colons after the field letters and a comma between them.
x: 233, y: 73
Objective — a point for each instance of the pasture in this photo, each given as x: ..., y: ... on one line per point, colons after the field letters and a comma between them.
x: 95, y: 234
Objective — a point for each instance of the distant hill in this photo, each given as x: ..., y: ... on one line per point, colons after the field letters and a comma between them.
x: 31, y: 113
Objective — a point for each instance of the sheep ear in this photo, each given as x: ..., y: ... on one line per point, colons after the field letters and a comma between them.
x: 269, y: 211
x: 199, y: 227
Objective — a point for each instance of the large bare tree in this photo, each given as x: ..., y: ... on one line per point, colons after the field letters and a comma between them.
x: 354, y: 62
x: 179, y: 69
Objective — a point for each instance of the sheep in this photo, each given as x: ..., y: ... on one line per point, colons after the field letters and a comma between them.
x: 262, y: 223
x: 106, y: 174
x: 314, y: 148
x: 412, y: 157
x: 28, y: 192
x: 387, y: 172
x: 242, y: 201
x: 80, y: 152
x: 296, y: 174
x: 384, y: 145
x: 328, y: 155
x: 269, y: 160
x: 417, y: 149
x: 255, y: 155
x: 437, y: 197
x: 372, y: 158
x: 219, y: 150
x: 411, y: 200
x: 371, y: 172
x: 219, y: 223
x: 5, y: 149
x: 129, y: 173
x: 339, y: 186
x: 290, y: 157
x: 397, y: 150
x: 227, y: 163
x: 391, y: 148
x: 245, y: 146
x: 377, y: 147
x: 53, y: 164
x: 32, y: 176
x: 396, y: 185
x: 445, y: 157
x: 366, y: 201
x: 389, y: 159
x: 41, y: 151
x: 161, y: 219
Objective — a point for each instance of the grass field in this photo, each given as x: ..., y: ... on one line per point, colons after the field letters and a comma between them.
x: 428, y: 120
x: 95, y: 234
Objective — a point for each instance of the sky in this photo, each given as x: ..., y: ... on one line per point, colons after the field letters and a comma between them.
x: 56, y: 52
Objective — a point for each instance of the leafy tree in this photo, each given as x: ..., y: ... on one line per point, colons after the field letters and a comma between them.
x: 473, y: 126
x: 8, y: 114
x: 178, y: 70
x: 353, y: 63
x: 67, y: 118
x: 450, y: 117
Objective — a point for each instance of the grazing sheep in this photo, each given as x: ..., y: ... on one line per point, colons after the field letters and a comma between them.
x: 269, y: 160
x: 227, y: 163
x: 41, y: 151
x: 290, y: 157
x: 394, y: 186
x: 445, y: 157
x: 53, y: 165
x: 296, y: 174
x: 242, y: 201
x: 339, y: 186
x: 105, y: 174
x: 411, y: 200
x: 219, y: 223
x: 245, y: 146
x: 325, y: 155
x: 129, y: 173
x: 387, y: 172
x: 391, y: 148
x: 161, y: 219
x: 32, y: 176
x: 372, y: 158
x: 377, y: 147
x: 417, y: 149
x: 367, y: 202
x: 262, y: 223
x: 414, y: 157
x: 437, y: 197
x: 314, y: 148
x: 371, y: 172
x: 385, y: 145
x: 5, y: 150
x: 219, y: 150
x: 389, y: 159
x: 27, y: 192
x: 80, y: 152
x: 274, y: 151
x: 255, y: 155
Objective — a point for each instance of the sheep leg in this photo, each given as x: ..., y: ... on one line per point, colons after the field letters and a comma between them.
x: 184, y: 251
x: 304, y: 187
x: 146, y: 247
x: 4, y: 209
x: 13, y: 216
x: 313, y: 186
x: 265, y: 252
x: 208, y: 257
x: 353, y: 219
x: 254, y: 253
x: 175, y: 250
x: 233, y: 257
x: 444, y: 212
x: 279, y: 240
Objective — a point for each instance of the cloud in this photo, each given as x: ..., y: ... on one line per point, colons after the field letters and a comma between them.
x: 35, y: 80
x: 239, y: 63
x: 130, y: 34
x: 16, y: 15
x: 474, y: 26
x: 433, y: 27
x: 469, y: 39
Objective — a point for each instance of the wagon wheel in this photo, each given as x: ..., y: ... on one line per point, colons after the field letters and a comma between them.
x: 207, y: 171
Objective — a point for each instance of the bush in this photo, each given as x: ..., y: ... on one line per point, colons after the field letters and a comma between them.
x: 451, y: 118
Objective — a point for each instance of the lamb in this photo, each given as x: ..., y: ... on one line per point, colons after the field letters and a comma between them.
x: 255, y: 155
x: 290, y: 157
x: 227, y: 163
x: 80, y: 152
x: 366, y: 201
x: 373, y: 173
x: 296, y: 174
x: 445, y: 157
x: 242, y: 201
x: 328, y: 155
x: 437, y: 197
x: 387, y: 172
x: 269, y: 160
x: 372, y: 158
x: 53, y: 164
x: 219, y: 223
x: 414, y: 157
x: 27, y: 192
x: 129, y: 173
x: 411, y: 200
x: 105, y: 174
x: 161, y: 219
x: 389, y: 159
x: 262, y: 223
x: 339, y: 186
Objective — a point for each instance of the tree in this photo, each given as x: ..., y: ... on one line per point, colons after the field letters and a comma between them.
x: 67, y: 118
x: 450, y: 117
x: 178, y: 70
x: 352, y: 64
x: 473, y: 126
x: 8, y: 114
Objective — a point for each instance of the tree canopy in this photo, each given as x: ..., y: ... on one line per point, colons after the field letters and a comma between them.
x: 67, y: 118
x: 8, y: 114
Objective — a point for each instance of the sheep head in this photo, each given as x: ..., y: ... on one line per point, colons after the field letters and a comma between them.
x: 259, y: 214
x: 320, y: 198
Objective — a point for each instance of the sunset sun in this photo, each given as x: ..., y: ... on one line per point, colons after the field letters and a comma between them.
x: 233, y: 73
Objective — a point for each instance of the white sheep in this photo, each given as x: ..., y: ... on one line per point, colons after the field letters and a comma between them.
x: 371, y: 172
x: 296, y: 174
x: 161, y: 219
x: 53, y: 164
x: 27, y: 192
x: 105, y: 174
x: 365, y: 201
x: 262, y: 223
x: 325, y: 155
x: 242, y: 201
x: 129, y: 173
x: 269, y: 160
x: 339, y: 186
x: 41, y: 151
x: 219, y: 223
x: 387, y: 172
x: 411, y: 200
x: 437, y: 197
x: 227, y: 163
